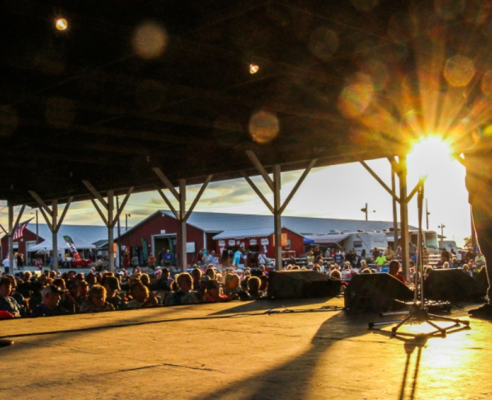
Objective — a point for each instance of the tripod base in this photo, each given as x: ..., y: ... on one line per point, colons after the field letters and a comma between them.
x: 418, y: 314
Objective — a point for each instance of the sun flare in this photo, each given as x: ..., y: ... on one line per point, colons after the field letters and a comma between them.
x: 429, y: 155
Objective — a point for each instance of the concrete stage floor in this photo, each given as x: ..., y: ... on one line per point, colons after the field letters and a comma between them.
x: 235, y: 351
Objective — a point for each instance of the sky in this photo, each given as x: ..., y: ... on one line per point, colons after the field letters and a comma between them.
x: 331, y: 192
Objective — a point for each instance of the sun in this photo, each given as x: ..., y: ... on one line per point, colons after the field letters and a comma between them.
x: 429, y: 155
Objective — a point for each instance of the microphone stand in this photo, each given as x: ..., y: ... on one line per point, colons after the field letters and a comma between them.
x: 418, y: 312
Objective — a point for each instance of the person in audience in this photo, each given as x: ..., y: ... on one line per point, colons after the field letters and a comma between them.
x: 231, y: 285
x: 184, y: 294
x: 142, y: 298
x: 389, y: 253
x: 83, y: 288
x: 394, y: 270
x: 96, y: 300
x: 112, y: 286
x: 213, y: 293
x: 50, y: 306
x: 164, y: 282
x: 66, y: 301
x: 210, y: 272
x: 8, y: 303
x: 196, y: 274
x: 467, y: 270
x: 145, y: 279
x: 254, y: 284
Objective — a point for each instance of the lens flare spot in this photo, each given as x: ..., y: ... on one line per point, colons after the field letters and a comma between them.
x: 356, y: 97
x: 253, y: 69
x: 61, y: 24
x: 364, y: 5
x: 449, y: 9
x: 459, y: 71
x: 263, y: 127
x: 150, y: 40
x: 487, y: 131
x: 323, y: 43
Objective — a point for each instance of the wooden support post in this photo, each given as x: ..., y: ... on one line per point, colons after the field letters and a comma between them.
x: 404, y: 242
x: 277, y: 217
x: 111, y: 217
x: 54, y: 233
x: 53, y: 221
x: 395, y: 210
x: 11, y: 231
x: 181, y: 214
x: 278, y: 208
x: 11, y: 237
x: 182, y: 224
x: 111, y: 221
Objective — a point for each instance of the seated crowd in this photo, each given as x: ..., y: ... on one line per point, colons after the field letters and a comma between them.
x: 49, y: 294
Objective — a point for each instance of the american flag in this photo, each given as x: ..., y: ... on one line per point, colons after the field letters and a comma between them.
x: 19, y: 232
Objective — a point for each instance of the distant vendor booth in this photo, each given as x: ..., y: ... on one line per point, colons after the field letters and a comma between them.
x: 251, y: 242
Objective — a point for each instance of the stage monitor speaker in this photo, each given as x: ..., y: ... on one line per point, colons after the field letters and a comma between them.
x: 375, y: 292
x: 452, y: 284
x: 300, y: 284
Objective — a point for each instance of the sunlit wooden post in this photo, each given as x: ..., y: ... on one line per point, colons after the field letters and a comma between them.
x: 111, y: 217
x: 278, y: 208
x: 182, y: 216
x: 52, y: 220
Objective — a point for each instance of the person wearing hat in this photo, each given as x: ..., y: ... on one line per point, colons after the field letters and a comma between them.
x: 51, y: 296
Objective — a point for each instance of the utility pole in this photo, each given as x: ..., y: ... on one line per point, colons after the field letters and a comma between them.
x: 126, y: 221
x: 427, y: 213
x: 441, y: 227
x: 364, y: 210
x: 37, y: 228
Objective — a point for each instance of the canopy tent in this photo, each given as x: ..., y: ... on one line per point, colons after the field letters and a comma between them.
x: 62, y: 245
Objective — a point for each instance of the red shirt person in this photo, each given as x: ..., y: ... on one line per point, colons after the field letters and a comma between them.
x: 394, y: 270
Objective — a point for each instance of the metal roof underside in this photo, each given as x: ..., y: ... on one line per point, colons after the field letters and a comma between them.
x: 342, y: 81
x: 219, y: 222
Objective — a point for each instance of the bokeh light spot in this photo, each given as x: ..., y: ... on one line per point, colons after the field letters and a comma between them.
x: 459, y: 71
x: 61, y: 24
x: 487, y: 131
x: 356, y: 97
x: 323, y: 43
x: 253, y: 69
x: 150, y: 40
x: 263, y: 127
